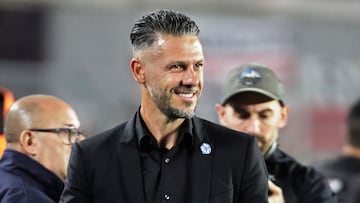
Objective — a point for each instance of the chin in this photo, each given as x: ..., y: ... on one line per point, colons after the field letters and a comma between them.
x: 181, y: 113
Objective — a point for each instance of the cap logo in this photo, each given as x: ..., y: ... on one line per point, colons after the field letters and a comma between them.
x: 250, y: 77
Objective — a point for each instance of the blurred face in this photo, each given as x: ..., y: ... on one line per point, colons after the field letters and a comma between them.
x: 171, y: 73
x: 53, y: 148
x: 261, y: 120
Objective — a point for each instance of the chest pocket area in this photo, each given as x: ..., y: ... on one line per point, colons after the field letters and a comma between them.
x: 222, y: 197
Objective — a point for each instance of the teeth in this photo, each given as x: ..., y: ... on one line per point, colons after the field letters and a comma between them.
x: 186, y: 95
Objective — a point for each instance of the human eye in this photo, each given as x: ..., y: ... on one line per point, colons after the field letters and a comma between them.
x: 176, y: 67
x: 199, y: 65
x: 63, y: 131
x: 242, y: 114
x: 265, y: 114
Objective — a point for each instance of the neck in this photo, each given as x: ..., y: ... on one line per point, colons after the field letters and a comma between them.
x: 351, y: 151
x: 164, y: 130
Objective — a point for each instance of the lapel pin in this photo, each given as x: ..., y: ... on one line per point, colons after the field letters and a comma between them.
x: 205, y: 148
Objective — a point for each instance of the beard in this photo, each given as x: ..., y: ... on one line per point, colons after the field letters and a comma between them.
x: 162, y: 100
x: 265, y: 144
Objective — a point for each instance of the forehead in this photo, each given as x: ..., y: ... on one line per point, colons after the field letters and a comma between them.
x: 57, y: 116
x: 175, y: 46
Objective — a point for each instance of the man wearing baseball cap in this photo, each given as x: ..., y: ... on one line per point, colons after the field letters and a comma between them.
x: 253, y: 102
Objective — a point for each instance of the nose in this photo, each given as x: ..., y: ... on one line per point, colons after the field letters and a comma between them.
x: 191, y: 76
x: 252, y: 125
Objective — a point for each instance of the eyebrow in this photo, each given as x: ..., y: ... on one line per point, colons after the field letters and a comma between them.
x: 69, y: 125
x: 243, y: 109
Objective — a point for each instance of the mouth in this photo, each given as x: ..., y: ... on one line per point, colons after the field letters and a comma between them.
x: 187, y: 93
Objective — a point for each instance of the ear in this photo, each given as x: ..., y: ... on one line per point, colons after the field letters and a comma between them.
x: 137, y: 70
x: 284, y: 116
x: 220, y: 110
x: 27, y: 142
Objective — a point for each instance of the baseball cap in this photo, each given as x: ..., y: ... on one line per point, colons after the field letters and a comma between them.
x: 252, y: 78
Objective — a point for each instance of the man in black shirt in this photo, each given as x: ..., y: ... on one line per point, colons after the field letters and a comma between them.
x: 343, y: 172
x: 164, y: 153
x: 253, y: 102
x: 156, y: 165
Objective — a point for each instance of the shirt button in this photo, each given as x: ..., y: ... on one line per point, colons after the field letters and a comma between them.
x: 166, y: 196
x: 167, y: 160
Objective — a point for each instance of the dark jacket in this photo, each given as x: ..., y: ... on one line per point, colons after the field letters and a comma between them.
x: 106, y: 168
x: 23, y: 180
x: 300, y: 184
x: 343, y: 174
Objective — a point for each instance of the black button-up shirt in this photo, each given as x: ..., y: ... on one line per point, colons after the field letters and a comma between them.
x: 165, y: 171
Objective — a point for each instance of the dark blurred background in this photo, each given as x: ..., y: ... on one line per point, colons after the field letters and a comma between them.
x: 79, y: 50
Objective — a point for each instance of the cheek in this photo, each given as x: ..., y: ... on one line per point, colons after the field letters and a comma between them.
x: 201, y: 78
x: 44, y: 147
x: 234, y: 123
x: 67, y: 152
x: 62, y: 152
x: 164, y: 81
x: 269, y: 132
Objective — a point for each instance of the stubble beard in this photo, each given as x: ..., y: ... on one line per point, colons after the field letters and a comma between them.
x: 162, y: 100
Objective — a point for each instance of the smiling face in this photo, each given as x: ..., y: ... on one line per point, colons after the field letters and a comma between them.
x: 171, y: 74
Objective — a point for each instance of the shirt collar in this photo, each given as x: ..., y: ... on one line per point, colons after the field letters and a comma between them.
x: 146, y: 140
x: 20, y: 163
x: 271, y: 150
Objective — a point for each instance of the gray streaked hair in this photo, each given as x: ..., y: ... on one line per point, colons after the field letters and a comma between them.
x: 147, y: 29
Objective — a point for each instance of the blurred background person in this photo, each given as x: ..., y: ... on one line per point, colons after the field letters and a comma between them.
x: 343, y: 172
x: 39, y: 131
x: 6, y: 99
x: 253, y: 102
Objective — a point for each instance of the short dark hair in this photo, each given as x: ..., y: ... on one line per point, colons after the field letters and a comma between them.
x: 146, y: 30
x: 353, y: 123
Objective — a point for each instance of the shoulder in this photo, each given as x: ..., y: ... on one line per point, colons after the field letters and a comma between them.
x: 104, y: 138
x: 226, y: 142
x: 303, y: 177
x: 232, y: 149
x: 22, y: 193
x: 218, y: 132
x: 342, y: 165
x: 10, y: 179
x: 12, y: 188
x: 96, y: 147
x: 294, y: 167
x: 343, y: 174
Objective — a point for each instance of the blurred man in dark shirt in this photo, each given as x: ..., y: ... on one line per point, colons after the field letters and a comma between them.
x: 343, y: 172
